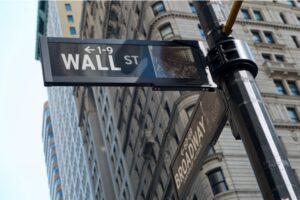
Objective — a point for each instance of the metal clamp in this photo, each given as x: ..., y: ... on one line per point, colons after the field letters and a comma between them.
x: 231, y: 55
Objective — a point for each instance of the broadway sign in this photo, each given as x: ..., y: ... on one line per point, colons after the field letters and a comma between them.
x: 160, y: 64
x: 202, y: 131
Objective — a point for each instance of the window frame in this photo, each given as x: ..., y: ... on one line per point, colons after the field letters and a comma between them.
x: 279, y: 58
x: 294, y: 90
x: 72, y: 30
x: 68, y: 7
x: 267, y: 34
x: 256, y: 34
x: 283, y: 18
x: 296, y: 41
x: 192, y: 7
x: 294, y: 118
x: 214, y: 183
x: 157, y: 9
x: 279, y: 90
x: 246, y: 14
x: 201, y: 32
x: 70, y: 18
x: 258, y: 15
x: 264, y: 55
x: 164, y: 27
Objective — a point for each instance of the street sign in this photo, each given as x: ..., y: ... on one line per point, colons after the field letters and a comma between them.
x: 203, y: 129
x: 160, y: 64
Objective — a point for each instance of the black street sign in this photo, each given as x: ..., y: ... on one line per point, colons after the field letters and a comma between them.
x: 203, y: 130
x: 160, y: 64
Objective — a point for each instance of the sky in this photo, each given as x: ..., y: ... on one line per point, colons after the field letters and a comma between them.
x: 22, y: 95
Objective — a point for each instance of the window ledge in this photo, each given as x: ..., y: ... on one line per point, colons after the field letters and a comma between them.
x: 270, y: 46
x: 291, y: 126
x: 278, y: 68
x: 216, y: 156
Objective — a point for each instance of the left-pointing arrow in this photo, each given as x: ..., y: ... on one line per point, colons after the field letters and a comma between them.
x: 88, y: 49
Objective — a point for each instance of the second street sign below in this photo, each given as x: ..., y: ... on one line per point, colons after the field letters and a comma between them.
x: 159, y: 64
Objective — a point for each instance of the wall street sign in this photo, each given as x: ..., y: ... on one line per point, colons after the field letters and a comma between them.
x: 206, y: 123
x: 160, y: 64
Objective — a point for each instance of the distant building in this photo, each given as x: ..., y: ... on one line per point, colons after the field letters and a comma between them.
x: 118, y: 142
x: 53, y: 173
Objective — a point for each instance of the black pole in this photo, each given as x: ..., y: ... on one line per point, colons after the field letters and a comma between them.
x: 234, y: 71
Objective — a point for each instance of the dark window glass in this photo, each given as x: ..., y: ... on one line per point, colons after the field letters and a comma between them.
x: 68, y: 7
x: 158, y: 8
x: 258, y: 15
x: 279, y: 87
x: 269, y: 38
x: 279, y: 58
x: 293, y: 115
x: 266, y: 56
x: 201, y: 32
x: 296, y: 41
x: 256, y: 37
x: 245, y: 14
x: 291, y: 3
x: 298, y: 18
x: 189, y: 110
x: 166, y: 31
x: 70, y: 18
x: 217, y: 181
x: 193, y: 9
x: 282, y: 18
x: 72, y: 30
x: 293, y: 88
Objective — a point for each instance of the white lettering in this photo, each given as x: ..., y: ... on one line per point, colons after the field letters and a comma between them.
x: 87, y: 62
x: 201, y: 123
x: 99, y: 64
x: 177, y: 180
x: 191, y: 150
x: 135, y: 59
x: 128, y: 61
x: 112, y: 64
x: 195, y: 141
x: 70, y: 60
x: 188, y: 161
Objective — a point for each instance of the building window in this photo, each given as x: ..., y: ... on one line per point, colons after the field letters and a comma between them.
x: 293, y: 88
x: 70, y: 19
x: 279, y: 87
x: 193, y: 9
x: 166, y: 31
x: 68, y: 7
x: 189, y: 110
x: 72, y: 30
x: 291, y: 3
x: 292, y: 115
x: 258, y: 15
x: 158, y: 8
x: 266, y: 56
x: 298, y: 18
x: 256, y: 36
x: 217, y: 181
x: 269, y: 37
x: 245, y: 14
x: 279, y: 58
x: 296, y: 42
x: 282, y: 18
x: 201, y: 32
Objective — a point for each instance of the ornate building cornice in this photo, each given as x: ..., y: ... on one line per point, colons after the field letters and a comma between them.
x: 264, y: 24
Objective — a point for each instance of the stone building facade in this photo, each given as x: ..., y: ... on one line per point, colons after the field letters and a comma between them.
x: 118, y: 142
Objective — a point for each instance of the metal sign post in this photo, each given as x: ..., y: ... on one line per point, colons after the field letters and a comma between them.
x: 163, y: 65
x: 233, y: 68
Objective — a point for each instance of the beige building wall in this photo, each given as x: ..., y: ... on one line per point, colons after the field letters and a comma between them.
x: 70, y: 17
